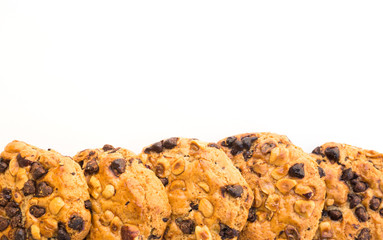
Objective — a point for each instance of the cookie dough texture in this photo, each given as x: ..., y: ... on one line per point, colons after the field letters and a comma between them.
x: 42, y: 195
x: 209, y: 197
x: 354, y: 181
x: 289, y: 192
x: 127, y: 200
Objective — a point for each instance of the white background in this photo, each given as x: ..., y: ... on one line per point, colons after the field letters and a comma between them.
x: 78, y: 74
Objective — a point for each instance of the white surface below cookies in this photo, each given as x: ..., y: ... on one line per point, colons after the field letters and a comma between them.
x: 79, y: 74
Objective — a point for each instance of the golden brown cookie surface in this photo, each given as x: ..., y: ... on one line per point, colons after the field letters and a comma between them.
x: 42, y: 195
x: 354, y: 181
x: 209, y: 197
x: 128, y: 200
x: 288, y: 189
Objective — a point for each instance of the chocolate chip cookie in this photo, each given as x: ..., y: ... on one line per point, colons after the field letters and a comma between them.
x: 127, y: 200
x: 289, y: 192
x: 43, y: 195
x: 209, y: 197
x: 354, y: 181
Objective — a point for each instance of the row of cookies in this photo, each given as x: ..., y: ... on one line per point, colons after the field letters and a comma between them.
x: 249, y: 186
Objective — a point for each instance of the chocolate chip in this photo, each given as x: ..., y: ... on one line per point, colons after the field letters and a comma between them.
x: 332, y: 153
x: 354, y: 200
x: 76, y: 222
x: 152, y: 236
x: 5, y: 196
x: 107, y: 147
x: 118, y: 166
x: 358, y: 186
x: 22, y: 161
x: 155, y: 147
x: 226, y: 232
x: 321, y: 172
x: 62, y: 233
x: 248, y: 141
x: 375, y: 203
x: 308, y: 195
x: 164, y: 181
x: 128, y: 233
x: 91, y: 167
x: 214, y: 145
x: 347, y: 174
x: 297, y: 170
x: 229, y: 141
x: 20, y: 234
x: 292, y: 233
x: 318, y: 151
x: 361, y: 214
x: 29, y: 187
x: 234, y: 190
x: 165, y: 219
x: 88, y: 204
x: 247, y: 155
x: 194, y: 206
x: 43, y: 189
x: 335, y: 215
x: 37, y: 170
x: 381, y: 212
x: 236, y: 147
x: 3, y: 165
x: 364, y: 234
x: 170, y: 143
x: 4, y: 223
x: 252, y: 217
x: 12, y: 209
x: 267, y: 147
x: 17, y: 221
x: 37, y: 211
x: 187, y: 226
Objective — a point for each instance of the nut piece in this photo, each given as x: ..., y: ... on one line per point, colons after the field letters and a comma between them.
x: 260, y: 168
x: 178, y: 167
x: 325, y: 230
x: 13, y: 167
x: 304, y: 191
x: 278, y: 156
x: 115, y: 224
x: 55, y: 205
x: 257, y: 198
x: 330, y: 202
x: 204, y: 186
x: 95, y: 186
x: 203, y: 233
x: 304, y: 208
x: 21, y: 178
x: 107, y: 218
x: 17, y: 197
x: 206, y: 207
x: 266, y: 187
x: 285, y: 185
x: 280, y: 172
x: 261, y: 216
x: 178, y: 184
x: 108, y: 191
x: 272, y: 202
x: 35, y: 231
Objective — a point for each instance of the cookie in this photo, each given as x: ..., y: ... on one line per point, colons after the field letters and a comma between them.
x: 43, y: 195
x: 127, y: 200
x: 288, y: 190
x: 354, y: 181
x: 209, y: 197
